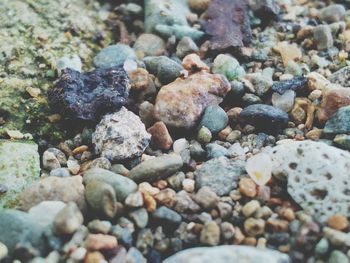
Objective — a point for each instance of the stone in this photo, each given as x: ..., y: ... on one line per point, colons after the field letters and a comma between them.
x: 65, y: 189
x: 264, y: 118
x: 164, y: 68
x: 45, y: 212
x: 254, y: 226
x: 210, y: 234
x: 204, y: 135
x: 259, y: 168
x: 338, y: 123
x: 149, y: 45
x: 321, y: 190
x: 114, y: 56
x: 219, y: 174
x: 250, y: 208
x: 146, y: 113
x: 156, y: 168
x: 94, y: 256
x: 20, y: 166
x: 266, y: 10
x: 332, y: 13
x: 181, y: 103
x: 289, y: 52
x: 341, y: 77
x: 193, y: 63
x: 17, y: 227
x: 99, y: 227
x: 101, y: 162
x: 285, y: 101
x: 338, y: 257
x: 261, y: 81
x: 338, y: 222
x: 322, y: 247
x: 228, y: 66
x: 199, y: 5
x: 297, y: 84
x: 122, y: 185
x: 73, y: 165
x: 100, y: 242
x: 166, y: 216
x: 184, y: 203
x: 323, y: 37
x: 214, y: 118
x: 185, y: 47
x: 68, y: 220
x: 50, y: 162
x: 134, y: 200
x: 120, y: 135
x: 87, y: 96
x: 60, y: 172
x: 119, y: 169
x: 3, y: 251
x: 73, y: 62
x: 169, y: 19
x: 101, y: 197
x: 140, y: 79
x: 160, y: 136
x: 140, y: 217
x: 336, y: 238
x: 227, y: 253
x: 135, y: 256
x: 247, y: 187
x: 206, y: 198
x: 342, y: 141
x: 215, y: 150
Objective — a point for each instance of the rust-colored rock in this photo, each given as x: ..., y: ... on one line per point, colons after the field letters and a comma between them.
x: 181, y: 103
x: 332, y: 100
x: 160, y: 136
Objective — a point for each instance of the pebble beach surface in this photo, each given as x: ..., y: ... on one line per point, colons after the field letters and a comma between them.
x: 179, y: 131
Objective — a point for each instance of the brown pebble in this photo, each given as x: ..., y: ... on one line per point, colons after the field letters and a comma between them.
x: 338, y: 222
x: 287, y: 213
x: 80, y: 149
x: 100, y: 241
x: 249, y: 241
x: 239, y: 237
x: 150, y: 203
x: 94, y: 257
x: 166, y: 197
x: 277, y: 225
x: 247, y: 187
x: 160, y: 136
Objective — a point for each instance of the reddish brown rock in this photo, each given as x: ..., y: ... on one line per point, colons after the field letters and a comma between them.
x: 181, y: 103
x: 332, y: 100
x: 100, y: 242
x: 160, y: 136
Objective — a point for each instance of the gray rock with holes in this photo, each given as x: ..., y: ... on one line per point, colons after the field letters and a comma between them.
x: 318, y: 176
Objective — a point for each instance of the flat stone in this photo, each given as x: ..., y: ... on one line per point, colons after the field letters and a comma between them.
x: 181, y: 103
x: 20, y: 166
x: 220, y: 175
x: 156, y: 168
x: 224, y: 254
x: 53, y: 188
x: 120, y: 135
x: 317, y: 175
x: 122, y: 185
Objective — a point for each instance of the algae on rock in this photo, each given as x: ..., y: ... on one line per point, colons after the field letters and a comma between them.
x: 34, y: 35
x: 19, y: 166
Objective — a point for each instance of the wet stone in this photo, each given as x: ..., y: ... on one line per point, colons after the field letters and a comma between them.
x: 88, y: 95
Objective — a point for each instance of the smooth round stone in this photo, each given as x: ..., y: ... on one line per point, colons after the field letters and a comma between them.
x: 332, y: 13
x: 60, y: 172
x: 204, y: 135
x: 210, y: 234
x: 3, y: 251
x: 225, y: 254
x: 114, y: 55
x: 322, y: 247
x: 150, y: 45
x: 68, y: 220
x: 45, y: 212
x: 214, y: 118
x: 285, y: 101
x: 166, y: 216
x: 140, y: 217
x: 264, y: 118
x: 323, y: 37
x: 215, y: 150
x: 338, y: 257
x: 228, y: 66
x: 185, y: 47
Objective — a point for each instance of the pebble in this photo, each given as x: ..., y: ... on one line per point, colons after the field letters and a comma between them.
x: 135, y: 256
x: 164, y: 68
x: 332, y: 13
x: 100, y: 242
x: 166, y: 197
x: 185, y: 47
x: 99, y: 227
x: 134, y: 200
x: 228, y: 253
x: 340, y: 77
x: 338, y: 222
x: 52, y: 188
x: 78, y: 254
x: 336, y: 238
x: 120, y: 136
x: 73, y: 62
x: 204, y: 135
x: 3, y: 251
x: 210, y: 234
x: 188, y: 185
x: 215, y: 150
x: 166, y: 216
x: 297, y: 84
x: 220, y: 174
x: 259, y: 168
x: 289, y: 52
x: 155, y: 168
x: 60, y: 172
x: 149, y: 45
x: 119, y: 169
x: 199, y: 5
x: 101, y: 198
x: 101, y: 162
x: 343, y: 141
x: 338, y: 122
x: 45, y: 212
x: 68, y: 220
x: 193, y: 63
x: 92, y: 257
x: 254, y: 227
x: 196, y: 92
x: 264, y: 118
x: 321, y: 190
x: 214, y: 118
x: 250, y: 208
x: 122, y: 185
x: 261, y: 81
x: 73, y: 165
x: 338, y: 257
x: 50, y: 162
x: 247, y: 187
x: 228, y: 66
x: 323, y: 37
x: 206, y: 198
x: 322, y: 247
x: 140, y: 217
x: 160, y: 136
x: 114, y: 56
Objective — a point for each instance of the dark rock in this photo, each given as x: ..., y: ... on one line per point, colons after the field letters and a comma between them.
x: 89, y: 95
x: 264, y: 118
x: 295, y: 84
x: 266, y: 10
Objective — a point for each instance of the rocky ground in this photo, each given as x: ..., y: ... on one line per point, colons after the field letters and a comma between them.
x: 174, y: 131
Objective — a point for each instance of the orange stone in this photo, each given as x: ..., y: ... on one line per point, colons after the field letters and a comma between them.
x: 338, y: 222
x: 247, y: 187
